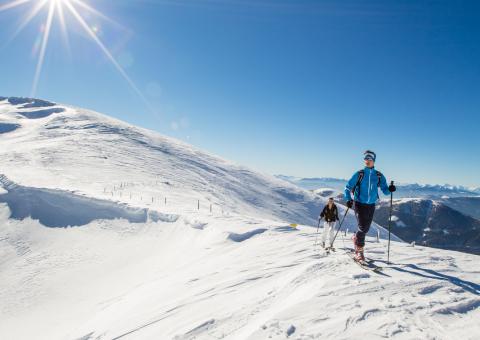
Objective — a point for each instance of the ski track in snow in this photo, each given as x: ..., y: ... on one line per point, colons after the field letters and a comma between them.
x: 237, y: 272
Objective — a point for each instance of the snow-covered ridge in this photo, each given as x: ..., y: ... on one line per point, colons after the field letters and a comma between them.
x: 96, y: 156
x: 83, y: 151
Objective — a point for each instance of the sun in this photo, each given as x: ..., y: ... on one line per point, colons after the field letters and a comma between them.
x: 57, y: 10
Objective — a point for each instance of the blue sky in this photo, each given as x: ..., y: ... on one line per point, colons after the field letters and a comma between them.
x: 292, y: 87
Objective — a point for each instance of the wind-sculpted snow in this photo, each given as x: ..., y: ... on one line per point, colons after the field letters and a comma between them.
x: 245, y: 236
x: 7, y: 127
x: 28, y: 102
x: 41, y: 113
x: 116, y: 280
x: 56, y: 208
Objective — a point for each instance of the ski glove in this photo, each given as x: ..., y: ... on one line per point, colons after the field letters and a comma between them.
x: 350, y: 204
x: 392, y: 188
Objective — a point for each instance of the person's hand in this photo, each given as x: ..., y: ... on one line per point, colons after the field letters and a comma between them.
x: 350, y: 204
x: 392, y: 188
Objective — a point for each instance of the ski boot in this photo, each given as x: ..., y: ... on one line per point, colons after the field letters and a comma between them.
x: 358, y: 250
x: 359, y: 254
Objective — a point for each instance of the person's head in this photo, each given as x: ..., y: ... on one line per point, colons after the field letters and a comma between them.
x: 369, y: 157
x: 330, y: 201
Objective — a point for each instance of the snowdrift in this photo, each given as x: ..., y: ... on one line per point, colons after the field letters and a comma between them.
x: 57, y: 208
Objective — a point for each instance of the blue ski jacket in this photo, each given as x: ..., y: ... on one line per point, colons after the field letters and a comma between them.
x: 367, y: 190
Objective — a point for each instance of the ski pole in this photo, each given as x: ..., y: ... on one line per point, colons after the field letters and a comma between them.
x: 389, y: 225
x: 318, y: 226
x: 340, y: 226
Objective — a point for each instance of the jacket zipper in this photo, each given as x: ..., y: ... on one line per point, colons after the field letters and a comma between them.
x: 369, y: 185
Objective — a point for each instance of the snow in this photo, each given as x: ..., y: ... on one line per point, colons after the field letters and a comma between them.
x: 398, y: 221
x: 134, y: 267
x: 327, y: 192
x: 168, y: 280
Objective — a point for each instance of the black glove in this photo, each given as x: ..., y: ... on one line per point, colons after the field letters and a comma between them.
x: 392, y: 188
x: 350, y: 204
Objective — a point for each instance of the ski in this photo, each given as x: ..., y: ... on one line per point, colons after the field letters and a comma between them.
x: 328, y: 250
x: 367, y: 264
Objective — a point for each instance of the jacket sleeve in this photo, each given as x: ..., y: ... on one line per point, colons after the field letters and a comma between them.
x: 348, y: 188
x: 323, y: 212
x: 336, y: 214
x: 384, y: 185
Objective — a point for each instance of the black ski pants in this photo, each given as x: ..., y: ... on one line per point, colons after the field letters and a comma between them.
x: 364, y: 213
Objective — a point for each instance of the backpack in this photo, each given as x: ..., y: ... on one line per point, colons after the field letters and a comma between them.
x: 361, y: 174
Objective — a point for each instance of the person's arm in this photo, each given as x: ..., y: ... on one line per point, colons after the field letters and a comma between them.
x: 384, y: 185
x: 336, y: 213
x: 349, y: 187
x: 322, y: 215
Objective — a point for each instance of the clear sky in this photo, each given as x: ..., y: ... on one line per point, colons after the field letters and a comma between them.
x: 284, y: 86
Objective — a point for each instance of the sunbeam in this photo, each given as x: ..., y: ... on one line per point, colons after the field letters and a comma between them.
x: 57, y: 11
x: 43, y: 48
x: 63, y: 25
x: 35, y: 10
x: 13, y: 4
x: 106, y: 51
x: 97, y: 13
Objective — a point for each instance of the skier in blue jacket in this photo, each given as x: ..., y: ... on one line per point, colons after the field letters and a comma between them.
x: 364, y: 185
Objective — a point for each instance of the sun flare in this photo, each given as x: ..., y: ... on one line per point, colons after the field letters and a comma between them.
x: 58, y: 10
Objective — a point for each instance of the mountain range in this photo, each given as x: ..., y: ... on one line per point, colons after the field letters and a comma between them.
x: 441, y: 216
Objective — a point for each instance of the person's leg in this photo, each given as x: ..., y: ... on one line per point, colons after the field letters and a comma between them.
x: 324, y: 234
x: 364, y: 214
x: 332, y: 232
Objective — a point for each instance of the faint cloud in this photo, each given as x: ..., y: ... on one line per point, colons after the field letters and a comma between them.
x: 174, y: 126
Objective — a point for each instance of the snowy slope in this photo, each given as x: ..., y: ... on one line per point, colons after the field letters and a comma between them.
x: 60, y: 147
x: 231, y: 278
x: 137, y: 268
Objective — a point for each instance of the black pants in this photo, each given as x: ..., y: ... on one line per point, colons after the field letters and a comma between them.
x: 364, y: 214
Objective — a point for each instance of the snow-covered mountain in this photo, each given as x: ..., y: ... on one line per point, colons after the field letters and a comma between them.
x: 403, y: 190
x: 469, y: 206
x: 171, y: 242
x: 432, y: 223
x: 70, y: 149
